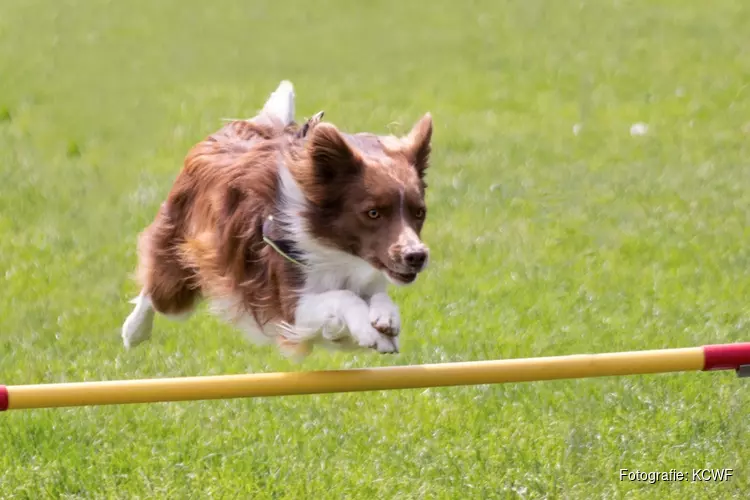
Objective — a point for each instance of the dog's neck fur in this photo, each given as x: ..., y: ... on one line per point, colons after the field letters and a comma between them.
x: 327, y: 268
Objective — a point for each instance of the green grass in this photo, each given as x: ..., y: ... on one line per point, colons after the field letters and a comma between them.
x: 544, y: 242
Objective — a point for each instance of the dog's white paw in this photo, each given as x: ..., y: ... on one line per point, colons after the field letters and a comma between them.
x: 367, y: 336
x: 334, y: 330
x: 386, y: 320
x: 139, y: 323
x: 384, y: 315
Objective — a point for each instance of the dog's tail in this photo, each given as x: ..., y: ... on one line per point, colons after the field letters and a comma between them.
x: 280, y: 105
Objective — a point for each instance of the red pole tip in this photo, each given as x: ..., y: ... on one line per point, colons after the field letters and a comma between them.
x: 726, y: 356
x: 3, y: 398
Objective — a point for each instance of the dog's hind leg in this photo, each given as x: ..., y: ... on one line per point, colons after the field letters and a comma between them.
x: 139, y: 323
x: 281, y: 103
x: 167, y: 285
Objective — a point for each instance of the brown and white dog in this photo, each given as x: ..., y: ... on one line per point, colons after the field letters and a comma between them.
x: 291, y: 233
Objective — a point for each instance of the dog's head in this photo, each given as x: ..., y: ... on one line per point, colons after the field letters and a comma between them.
x: 367, y: 195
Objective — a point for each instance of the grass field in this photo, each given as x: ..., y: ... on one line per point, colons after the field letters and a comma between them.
x: 544, y: 242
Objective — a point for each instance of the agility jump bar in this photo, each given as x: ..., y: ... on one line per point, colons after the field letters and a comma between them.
x: 707, y: 358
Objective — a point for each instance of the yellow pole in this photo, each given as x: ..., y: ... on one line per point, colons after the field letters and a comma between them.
x: 385, y: 378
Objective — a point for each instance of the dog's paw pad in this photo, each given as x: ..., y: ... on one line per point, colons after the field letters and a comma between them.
x: 386, y: 328
x: 385, y: 321
x: 368, y: 336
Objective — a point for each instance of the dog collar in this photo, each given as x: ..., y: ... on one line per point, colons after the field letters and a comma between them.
x: 283, y: 247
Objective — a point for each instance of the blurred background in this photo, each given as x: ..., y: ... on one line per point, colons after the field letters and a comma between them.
x: 589, y: 192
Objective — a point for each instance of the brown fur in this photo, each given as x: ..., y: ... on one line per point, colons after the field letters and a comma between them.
x: 207, y: 235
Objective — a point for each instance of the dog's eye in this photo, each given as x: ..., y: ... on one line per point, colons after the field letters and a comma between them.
x: 373, y: 214
x: 419, y: 214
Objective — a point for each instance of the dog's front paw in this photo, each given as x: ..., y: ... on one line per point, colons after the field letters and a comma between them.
x: 384, y: 315
x: 386, y: 319
x: 368, y: 336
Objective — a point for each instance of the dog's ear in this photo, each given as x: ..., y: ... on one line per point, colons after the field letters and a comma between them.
x: 418, y: 144
x: 331, y: 155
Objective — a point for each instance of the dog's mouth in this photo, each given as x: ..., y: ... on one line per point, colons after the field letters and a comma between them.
x: 397, y: 277
x: 400, y: 278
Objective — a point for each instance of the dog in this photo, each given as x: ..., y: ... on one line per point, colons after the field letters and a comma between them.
x: 291, y: 233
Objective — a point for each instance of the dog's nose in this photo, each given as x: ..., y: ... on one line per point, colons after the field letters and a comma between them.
x: 416, y: 258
